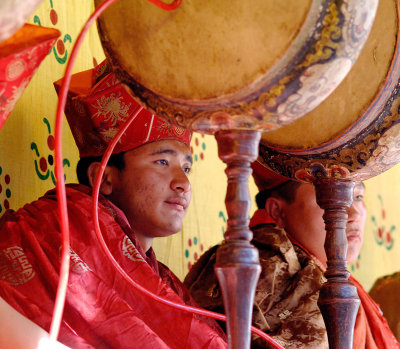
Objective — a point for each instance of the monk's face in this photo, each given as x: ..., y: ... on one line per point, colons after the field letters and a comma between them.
x: 153, y: 190
x: 302, y: 219
x: 356, y: 223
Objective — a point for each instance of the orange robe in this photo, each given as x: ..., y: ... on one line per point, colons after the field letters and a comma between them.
x: 385, y: 292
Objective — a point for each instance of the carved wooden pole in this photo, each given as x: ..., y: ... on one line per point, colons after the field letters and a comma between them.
x: 338, y: 299
x: 237, y: 265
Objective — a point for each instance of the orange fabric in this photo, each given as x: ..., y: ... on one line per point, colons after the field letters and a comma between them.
x: 385, y: 292
x: 261, y: 216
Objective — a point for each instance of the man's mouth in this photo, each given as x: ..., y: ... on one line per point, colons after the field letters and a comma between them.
x: 353, y: 234
x: 179, y: 204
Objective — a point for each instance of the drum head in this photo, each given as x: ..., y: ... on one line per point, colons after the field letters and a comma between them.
x: 204, y: 49
x: 354, y: 127
x: 234, y: 64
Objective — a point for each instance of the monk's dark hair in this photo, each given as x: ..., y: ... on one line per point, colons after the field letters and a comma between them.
x: 285, y: 191
x: 116, y: 160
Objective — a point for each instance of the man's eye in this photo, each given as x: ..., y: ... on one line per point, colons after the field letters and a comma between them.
x: 359, y: 197
x: 162, y: 162
x: 187, y: 169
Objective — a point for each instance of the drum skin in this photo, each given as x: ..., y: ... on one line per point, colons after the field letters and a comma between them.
x: 229, y: 64
x: 354, y: 133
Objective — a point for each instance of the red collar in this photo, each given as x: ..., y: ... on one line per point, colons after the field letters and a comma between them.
x: 261, y: 216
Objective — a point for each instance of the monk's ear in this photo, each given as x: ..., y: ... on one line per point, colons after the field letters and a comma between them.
x: 106, y: 181
x: 274, y: 207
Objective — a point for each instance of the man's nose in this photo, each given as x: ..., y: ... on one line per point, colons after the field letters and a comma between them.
x: 353, y: 211
x: 180, y: 181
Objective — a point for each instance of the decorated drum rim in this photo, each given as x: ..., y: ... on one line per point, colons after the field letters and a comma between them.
x: 265, y: 104
x: 372, y: 149
x: 370, y: 114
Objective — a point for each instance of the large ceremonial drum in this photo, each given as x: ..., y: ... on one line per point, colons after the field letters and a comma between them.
x: 234, y: 64
x: 355, y: 132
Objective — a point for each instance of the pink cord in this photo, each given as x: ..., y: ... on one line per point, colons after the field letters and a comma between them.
x: 62, y: 202
x: 167, y: 7
x: 61, y: 195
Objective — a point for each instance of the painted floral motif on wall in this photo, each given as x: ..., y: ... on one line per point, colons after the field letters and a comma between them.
x: 60, y: 49
x: 198, y: 147
x: 5, y: 190
x: 383, y: 230
x: 355, y: 265
x: 44, y: 164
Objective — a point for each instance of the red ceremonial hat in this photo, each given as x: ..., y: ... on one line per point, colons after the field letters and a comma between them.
x: 265, y: 178
x: 98, y: 104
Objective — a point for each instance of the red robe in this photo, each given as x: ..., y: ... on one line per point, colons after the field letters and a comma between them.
x: 102, y: 310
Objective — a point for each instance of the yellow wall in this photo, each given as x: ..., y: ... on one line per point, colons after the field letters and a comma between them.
x: 26, y: 128
x: 380, y: 254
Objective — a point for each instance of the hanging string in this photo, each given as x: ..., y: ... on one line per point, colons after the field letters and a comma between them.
x: 60, y: 184
x: 62, y: 202
x: 167, y: 7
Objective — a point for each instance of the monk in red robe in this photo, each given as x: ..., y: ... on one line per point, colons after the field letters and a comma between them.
x: 145, y: 192
x: 289, y: 233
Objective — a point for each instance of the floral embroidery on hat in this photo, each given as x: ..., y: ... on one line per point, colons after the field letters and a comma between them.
x: 111, y: 109
x: 100, y: 70
x: 97, y: 109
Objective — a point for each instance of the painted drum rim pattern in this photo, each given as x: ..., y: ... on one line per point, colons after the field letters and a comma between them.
x: 367, y: 148
x: 294, y: 86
